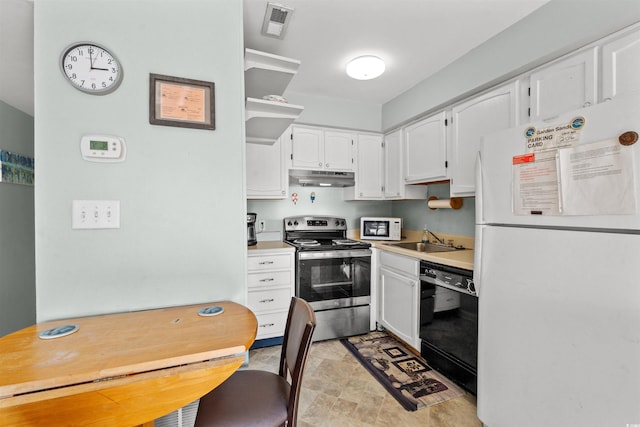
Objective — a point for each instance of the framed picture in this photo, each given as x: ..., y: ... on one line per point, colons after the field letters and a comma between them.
x: 176, y: 101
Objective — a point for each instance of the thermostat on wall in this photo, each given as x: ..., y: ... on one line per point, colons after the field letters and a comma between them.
x: 103, y: 148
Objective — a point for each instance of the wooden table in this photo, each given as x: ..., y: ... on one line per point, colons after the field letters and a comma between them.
x: 120, y: 369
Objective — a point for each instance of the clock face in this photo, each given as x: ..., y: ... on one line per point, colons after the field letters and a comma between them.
x: 91, y: 68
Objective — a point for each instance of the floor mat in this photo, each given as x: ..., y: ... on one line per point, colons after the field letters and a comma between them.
x: 408, y: 377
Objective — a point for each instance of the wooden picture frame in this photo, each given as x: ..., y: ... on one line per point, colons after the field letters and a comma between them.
x: 176, y: 101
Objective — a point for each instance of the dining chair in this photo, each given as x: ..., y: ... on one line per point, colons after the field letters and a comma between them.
x: 261, y: 398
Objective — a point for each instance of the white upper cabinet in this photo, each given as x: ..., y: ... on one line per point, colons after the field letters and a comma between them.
x: 425, y: 150
x: 267, y: 176
x: 621, y: 65
x: 317, y: 149
x: 307, y: 148
x: 564, y: 85
x: 267, y: 74
x: 394, y: 184
x: 338, y: 150
x: 393, y: 171
x: 471, y: 120
x: 369, y: 163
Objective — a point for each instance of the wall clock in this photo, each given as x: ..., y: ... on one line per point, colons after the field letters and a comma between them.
x: 91, y: 68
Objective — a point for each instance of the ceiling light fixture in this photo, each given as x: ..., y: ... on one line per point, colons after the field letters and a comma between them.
x: 365, y: 67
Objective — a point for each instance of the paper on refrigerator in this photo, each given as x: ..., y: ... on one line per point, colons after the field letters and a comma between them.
x: 597, y: 179
x: 535, y: 184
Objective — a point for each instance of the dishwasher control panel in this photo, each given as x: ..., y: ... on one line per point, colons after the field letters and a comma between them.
x: 452, y: 278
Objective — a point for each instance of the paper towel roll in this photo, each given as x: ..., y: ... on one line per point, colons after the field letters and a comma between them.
x: 452, y: 203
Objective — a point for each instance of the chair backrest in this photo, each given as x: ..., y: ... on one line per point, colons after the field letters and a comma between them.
x: 301, y: 323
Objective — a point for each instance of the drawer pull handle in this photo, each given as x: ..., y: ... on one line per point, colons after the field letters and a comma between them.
x: 268, y: 279
x: 266, y: 262
x: 267, y: 325
x: 267, y: 300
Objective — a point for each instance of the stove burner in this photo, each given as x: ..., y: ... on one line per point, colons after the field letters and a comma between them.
x: 306, y: 242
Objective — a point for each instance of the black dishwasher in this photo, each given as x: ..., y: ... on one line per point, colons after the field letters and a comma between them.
x: 449, y: 322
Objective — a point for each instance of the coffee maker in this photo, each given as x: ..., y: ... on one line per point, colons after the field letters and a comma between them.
x: 251, y: 229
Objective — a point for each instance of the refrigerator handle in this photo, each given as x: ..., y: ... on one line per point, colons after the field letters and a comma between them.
x: 479, y: 184
x: 477, y: 259
x: 477, y: 249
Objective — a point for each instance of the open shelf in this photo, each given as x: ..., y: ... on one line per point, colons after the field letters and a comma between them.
x: 267, y: 74
x: 265, y: 121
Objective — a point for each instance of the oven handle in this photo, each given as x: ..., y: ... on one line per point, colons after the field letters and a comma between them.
x: 356, y: 253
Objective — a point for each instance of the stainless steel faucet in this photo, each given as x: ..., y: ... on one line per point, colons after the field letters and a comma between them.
x: 441, y: 241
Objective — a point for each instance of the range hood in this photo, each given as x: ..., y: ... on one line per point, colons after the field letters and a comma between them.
x: 308, y: 178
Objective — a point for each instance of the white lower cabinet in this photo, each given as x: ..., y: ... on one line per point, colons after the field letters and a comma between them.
x: 399, y: 297
x: 270, y: 284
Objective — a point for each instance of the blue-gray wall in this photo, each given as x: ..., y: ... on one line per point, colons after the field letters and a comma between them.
x: 328, y: 201
x: 17, y: 257
x: 183, y: 227
x: 415, y: 214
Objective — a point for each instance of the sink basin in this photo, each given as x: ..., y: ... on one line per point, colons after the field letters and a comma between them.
x: 423, y: 247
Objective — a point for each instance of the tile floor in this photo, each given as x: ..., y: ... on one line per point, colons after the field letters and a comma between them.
x: 338, y: 391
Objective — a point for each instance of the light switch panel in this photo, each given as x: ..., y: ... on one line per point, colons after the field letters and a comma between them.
x: 95, y: 214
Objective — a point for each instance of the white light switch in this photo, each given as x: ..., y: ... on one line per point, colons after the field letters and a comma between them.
x: 94, y: 214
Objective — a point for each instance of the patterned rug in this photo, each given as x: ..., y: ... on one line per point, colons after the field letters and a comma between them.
x: 406, y: 376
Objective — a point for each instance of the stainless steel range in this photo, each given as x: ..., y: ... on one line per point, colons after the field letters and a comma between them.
x: 333, y: 274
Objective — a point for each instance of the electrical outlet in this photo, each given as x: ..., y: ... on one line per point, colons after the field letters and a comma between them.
x: 261, y: 225
x: 95, y: 214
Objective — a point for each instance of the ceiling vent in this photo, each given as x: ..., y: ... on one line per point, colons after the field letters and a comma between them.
x: 276, y: 20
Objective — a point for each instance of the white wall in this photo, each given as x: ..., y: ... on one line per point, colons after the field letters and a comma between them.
x: 183, y: 227
x: 337, y: 112
x: 17, y: 257
x: 556, y: 28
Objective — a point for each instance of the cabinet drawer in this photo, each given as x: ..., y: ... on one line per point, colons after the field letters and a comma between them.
x: 270, y: 278
x: 269, y: 262
x: 269, y: 300
x: 271, y: 325
x: 408, y: 265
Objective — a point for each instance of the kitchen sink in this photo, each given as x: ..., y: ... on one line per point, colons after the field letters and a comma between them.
x: 424, y: 247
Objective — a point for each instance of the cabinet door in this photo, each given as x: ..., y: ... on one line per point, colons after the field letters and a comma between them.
x: 482, y: 115
x: 621, y: 65
x: 338, y: 149
x: 563, y: 85
x: 393, y: 175
x: 266, y: 172
x: 307, y: 148
x: 425, y: 150
x: 369, y: 167
x: 398, y: 299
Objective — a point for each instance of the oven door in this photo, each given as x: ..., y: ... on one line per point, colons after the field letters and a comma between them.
x: 334, y: 279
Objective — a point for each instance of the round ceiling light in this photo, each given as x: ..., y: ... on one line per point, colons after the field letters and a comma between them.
x: 365, y: 67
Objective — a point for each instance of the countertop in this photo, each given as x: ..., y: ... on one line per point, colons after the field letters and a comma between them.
x: 460, y: 259
x: 270, y: 246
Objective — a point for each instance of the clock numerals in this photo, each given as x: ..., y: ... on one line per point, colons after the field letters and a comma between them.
x: 91, y: 68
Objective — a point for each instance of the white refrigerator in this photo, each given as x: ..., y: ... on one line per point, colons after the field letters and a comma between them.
x: 559, y: 285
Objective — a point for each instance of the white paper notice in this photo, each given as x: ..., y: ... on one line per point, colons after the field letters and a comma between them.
x: 535, y: 184
x: 597, y: 179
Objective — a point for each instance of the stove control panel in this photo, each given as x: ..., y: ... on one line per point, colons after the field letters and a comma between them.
x: 314, y: 223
